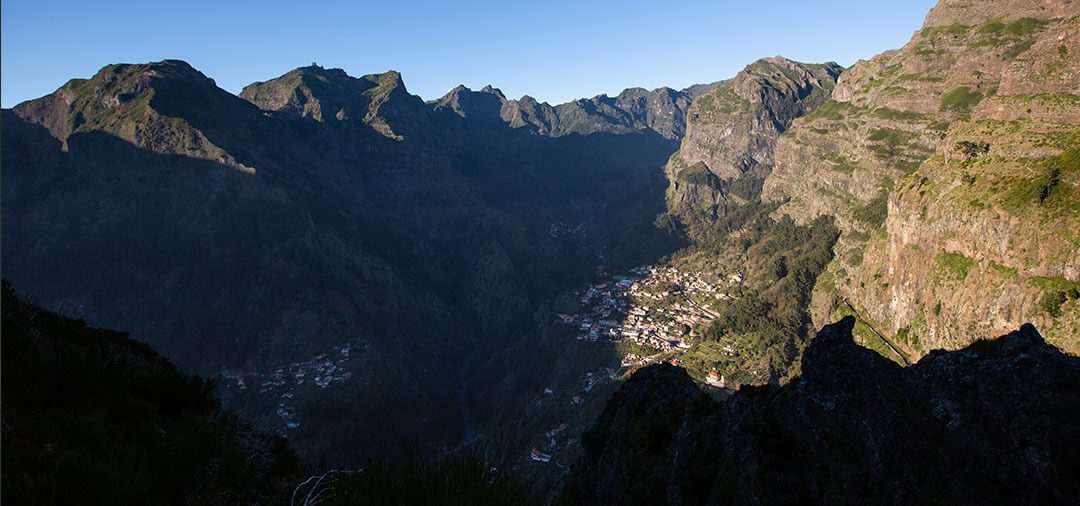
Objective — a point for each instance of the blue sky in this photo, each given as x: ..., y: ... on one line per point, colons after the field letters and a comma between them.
x: 554, y: 50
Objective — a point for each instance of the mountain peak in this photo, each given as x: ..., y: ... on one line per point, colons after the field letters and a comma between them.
x: 171, y: 70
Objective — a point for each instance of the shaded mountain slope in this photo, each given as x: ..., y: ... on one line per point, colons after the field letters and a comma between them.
x: 242, y: 238
x: 92, y: 416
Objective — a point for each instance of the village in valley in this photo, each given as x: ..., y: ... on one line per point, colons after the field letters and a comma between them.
x: 658, y: 309
x: 287, y: 381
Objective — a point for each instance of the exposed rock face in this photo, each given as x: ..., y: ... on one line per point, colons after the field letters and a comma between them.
x: 734, y: 127
x: 732, y: 130
x: 995, y: 423
x: 950, y: 165
x: 662, y: 110
x: 379, y: 100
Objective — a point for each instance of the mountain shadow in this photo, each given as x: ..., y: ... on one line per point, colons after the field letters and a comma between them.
x: 994, y: 423
x: 93, y: 416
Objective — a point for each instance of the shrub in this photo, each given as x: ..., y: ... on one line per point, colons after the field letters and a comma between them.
x: 960, y: 99
x: 972, y: 149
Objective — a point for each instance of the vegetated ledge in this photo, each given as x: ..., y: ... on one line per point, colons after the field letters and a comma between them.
x: 996, y: 422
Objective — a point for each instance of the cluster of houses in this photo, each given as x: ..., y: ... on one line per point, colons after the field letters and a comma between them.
x: 657, y: 306
x: 323, y: 370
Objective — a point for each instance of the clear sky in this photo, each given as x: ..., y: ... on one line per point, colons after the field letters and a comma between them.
x: 553, y: 50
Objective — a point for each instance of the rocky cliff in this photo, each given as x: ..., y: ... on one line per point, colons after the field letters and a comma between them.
x: 951, y: 166
x: 994, y: 423
x: 732, y: 130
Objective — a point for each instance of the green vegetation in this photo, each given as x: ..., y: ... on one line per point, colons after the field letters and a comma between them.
x: 841, y: 163
x: 955, y: 29
x: 1017, y: 28
x: 1054, y: 283
x: 892, y: 142
x: 624, y: 347
x: 972, y: 149
x: 940, y: 126
x: 891, y: 135
x: 909, y: 166
x: 893, y: 114
x: 1012, y: 272
x: 722, y: 100
x: 1051, y: 303
x: 698, y: 174
x: 905, y: 334
x: 960, y: 99
x: 953, y: 264
x: 1017, y: 49
x: 767, y: 326
x: 855, y: 257
x: 875, y: 211
x: 833, y: 110
x: 1056, y: 291
x: 1046, y: 188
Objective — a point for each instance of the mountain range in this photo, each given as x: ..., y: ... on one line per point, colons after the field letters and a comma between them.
x: 356, y: 267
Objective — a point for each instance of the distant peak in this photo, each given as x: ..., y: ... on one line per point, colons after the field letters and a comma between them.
x: 495, y: 91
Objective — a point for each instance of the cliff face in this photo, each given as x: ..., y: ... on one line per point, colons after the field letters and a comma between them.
x: 995, y: 423
x: 733, y: 128
x: 731, y: 133
x: 950, y: 164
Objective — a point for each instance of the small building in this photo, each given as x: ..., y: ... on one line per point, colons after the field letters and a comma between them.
x: 539, y: 456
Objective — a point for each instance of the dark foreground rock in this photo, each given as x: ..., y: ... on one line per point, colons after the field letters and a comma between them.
x: 997, y: 422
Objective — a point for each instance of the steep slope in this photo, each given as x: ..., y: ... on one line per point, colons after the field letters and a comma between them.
x: 995, y: 423
x: 950, y: 164
x: 732, y: 130
x: 86, y: 410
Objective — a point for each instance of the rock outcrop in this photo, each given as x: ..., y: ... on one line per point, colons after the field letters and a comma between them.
x: 950, y: 164
x: 995, y: 423
x: 733, y: 128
